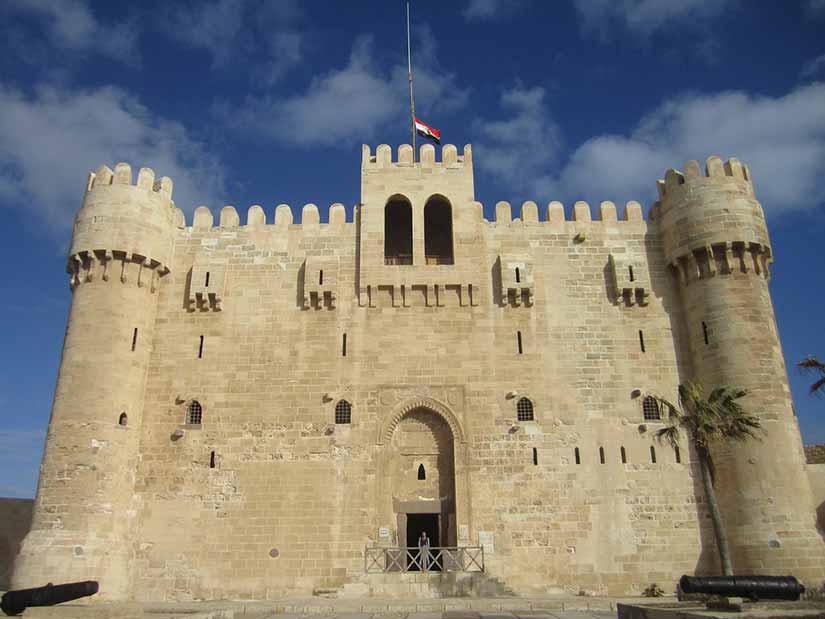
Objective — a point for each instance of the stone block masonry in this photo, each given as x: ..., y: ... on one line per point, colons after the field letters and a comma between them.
x: 241, y: 409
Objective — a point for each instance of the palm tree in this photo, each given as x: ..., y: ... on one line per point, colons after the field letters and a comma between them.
x: 812, y: 365
x: 716, y: 419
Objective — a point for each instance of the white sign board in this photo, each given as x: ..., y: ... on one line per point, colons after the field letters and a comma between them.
x: 486, y: 539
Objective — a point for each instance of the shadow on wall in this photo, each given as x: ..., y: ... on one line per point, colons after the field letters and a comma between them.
x: 15, y: 522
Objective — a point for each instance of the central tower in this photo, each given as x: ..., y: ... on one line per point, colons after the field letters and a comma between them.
x: 418, y: 222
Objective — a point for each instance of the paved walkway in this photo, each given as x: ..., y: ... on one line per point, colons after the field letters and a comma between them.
x: 366, y: 608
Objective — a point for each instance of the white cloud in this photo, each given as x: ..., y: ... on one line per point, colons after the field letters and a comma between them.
x: 815, y: 8
x: 490, y: 9
x: 643, y: 17
x: 351, y: 103
x: 20, y: 454
x: 814, y: 67
x: 263, y: 36
x: 72, y: 26
x: 781, y: 138
x: 521, y: 149
x: 49, y: 142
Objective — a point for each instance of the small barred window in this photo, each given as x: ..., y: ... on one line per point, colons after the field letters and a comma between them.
x: 343, y: 412
x: 650, y: 408
x: 194, y: 413
x: 524, y: 410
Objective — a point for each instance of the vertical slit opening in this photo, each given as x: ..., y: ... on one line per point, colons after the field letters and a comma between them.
x: 677, y: 454
x: 206, y: 284
x: 652, y: 454
x: 705, y: 332
x: 344, y: 346
x: 321, y: 277
x: 200, y: 349
x: 518, y: 276
x: 624, y: 455
x: 134, y: 339
x: 535, y: 456
x: 520, y: 348
x: 601, y: 455
x: 641, y: 340
x: 212, y: 460
x: 577, y: 455
x: 422, y: 473
x: 630, y: 272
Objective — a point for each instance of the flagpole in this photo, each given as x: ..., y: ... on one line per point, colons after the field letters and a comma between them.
x: 409, y: 75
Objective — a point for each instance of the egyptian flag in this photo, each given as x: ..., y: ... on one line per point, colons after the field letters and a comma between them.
x: 428, y: 132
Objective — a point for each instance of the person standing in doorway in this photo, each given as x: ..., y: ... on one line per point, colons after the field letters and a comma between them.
x: 424, y: 550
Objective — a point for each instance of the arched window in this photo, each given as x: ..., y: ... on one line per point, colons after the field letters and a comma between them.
x: 398, y: 244
x: 343, y: 412
x: 194, y: 413
x: 650, y: 409
x: 123, y: 419
x: 524, y: 409
x: 438, y: 231
x: 422, y: 474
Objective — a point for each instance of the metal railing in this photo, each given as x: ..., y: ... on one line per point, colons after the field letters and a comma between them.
x: 438, y: 259
x: 414, y: 559
x: 400, y: 259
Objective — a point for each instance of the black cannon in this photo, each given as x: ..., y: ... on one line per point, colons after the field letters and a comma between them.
x: 752, y: 587
x: 15, y: 602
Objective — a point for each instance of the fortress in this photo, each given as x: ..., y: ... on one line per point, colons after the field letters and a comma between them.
x: 251, y: 411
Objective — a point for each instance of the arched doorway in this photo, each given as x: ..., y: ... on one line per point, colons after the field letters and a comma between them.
x: 422, y: 478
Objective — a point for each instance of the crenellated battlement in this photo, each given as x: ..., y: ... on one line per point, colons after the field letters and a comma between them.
x: 450, y: 159
x: 555, y: 213
x: 731, y: 170
x: 122, y: 175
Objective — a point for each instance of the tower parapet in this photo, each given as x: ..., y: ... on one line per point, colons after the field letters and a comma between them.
x: 122, y: 244
x: 716, y: 242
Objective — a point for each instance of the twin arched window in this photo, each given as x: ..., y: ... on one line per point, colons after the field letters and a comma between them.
x: 438, y: 231
x: 343, y: 412
x: 524, y: 409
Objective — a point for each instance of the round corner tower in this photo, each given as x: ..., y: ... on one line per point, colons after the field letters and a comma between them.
x: 85, y: 508
x: 716, y: 242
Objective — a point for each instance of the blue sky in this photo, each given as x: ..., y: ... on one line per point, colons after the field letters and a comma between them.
x: 250, y: 102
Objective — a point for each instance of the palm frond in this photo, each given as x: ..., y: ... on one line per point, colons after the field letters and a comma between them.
x: 669, y: 434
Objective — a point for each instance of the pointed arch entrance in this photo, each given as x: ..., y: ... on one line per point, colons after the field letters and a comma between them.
x: 422, y: 485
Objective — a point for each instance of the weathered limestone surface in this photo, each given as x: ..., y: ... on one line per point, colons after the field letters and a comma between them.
x: 269, y: 496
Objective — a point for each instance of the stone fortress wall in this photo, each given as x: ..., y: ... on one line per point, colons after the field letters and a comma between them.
x: 270, y: 326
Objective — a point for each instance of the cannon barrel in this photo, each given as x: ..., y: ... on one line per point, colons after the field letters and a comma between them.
x: 754, y: 587
x: 15, y: 602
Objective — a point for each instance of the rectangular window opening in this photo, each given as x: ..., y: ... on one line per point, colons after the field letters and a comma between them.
x: 630, y: 272
x: 321, y: 277
x: 200, y: 349
x: 601, y: 455
x: 705, y: 332
x: 577, y: 455
x: 652, y: 454
x: 520, y: 347
x: 624, y: 456
x: 641, y: 340
x: 212, y: 460
x: 206, y: 284
x: 535, y: 456
x: 344, y: 346
x: 134, y: 340
x: 518, y: 276
x: 677, y: 454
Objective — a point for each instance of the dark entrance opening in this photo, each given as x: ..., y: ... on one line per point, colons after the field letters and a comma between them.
x: 416, y: 523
